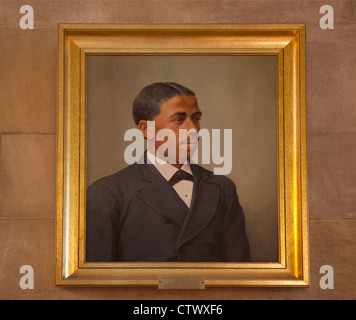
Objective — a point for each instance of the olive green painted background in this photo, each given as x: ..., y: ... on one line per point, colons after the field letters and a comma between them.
x: 233, y: 92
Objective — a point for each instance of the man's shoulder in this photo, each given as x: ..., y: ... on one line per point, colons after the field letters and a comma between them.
x: 226, y: 186
x: 117, y: 179
x: 222, y: 180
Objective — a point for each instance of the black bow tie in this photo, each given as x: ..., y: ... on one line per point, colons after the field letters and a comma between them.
x: 179, y: 176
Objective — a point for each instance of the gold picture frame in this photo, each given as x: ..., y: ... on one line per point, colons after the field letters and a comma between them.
x: 286, y: 42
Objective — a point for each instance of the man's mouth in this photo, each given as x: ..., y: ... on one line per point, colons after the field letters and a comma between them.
x: 189, y: 144
x: 193, y: 142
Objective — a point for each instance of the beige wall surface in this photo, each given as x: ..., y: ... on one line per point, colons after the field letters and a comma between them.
x: 28, y: 90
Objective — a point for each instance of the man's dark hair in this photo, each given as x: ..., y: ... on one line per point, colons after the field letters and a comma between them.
x: 148, y: 102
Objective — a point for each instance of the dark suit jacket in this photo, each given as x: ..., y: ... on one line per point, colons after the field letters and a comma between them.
x: 135, y: 215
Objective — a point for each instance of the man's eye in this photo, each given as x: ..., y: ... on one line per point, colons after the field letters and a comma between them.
x: 196, y: 119
x: 179, y: 121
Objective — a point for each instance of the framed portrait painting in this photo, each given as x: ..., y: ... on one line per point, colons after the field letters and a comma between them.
x: 181, y: 159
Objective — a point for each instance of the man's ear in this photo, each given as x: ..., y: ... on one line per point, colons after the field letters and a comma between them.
x: 142, y: 125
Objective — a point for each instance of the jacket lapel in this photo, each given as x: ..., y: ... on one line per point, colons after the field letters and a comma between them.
x: 160, y: 196
x: 204, y: 205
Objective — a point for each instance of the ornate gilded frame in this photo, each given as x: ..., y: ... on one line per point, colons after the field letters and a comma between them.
x: 287, y: 43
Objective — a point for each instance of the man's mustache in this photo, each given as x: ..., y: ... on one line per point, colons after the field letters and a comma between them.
x: 192, y: 137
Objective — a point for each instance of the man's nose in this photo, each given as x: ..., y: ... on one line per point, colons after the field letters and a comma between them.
x: 192, y: 134
x: 190, y: 124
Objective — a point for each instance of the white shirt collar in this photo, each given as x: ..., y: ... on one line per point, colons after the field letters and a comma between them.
x: 166, y: 169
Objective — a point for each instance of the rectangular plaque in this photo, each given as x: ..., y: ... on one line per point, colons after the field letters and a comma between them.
x: 181, y: 283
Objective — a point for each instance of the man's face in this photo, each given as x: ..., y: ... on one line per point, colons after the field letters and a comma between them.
x: 180, y: 112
